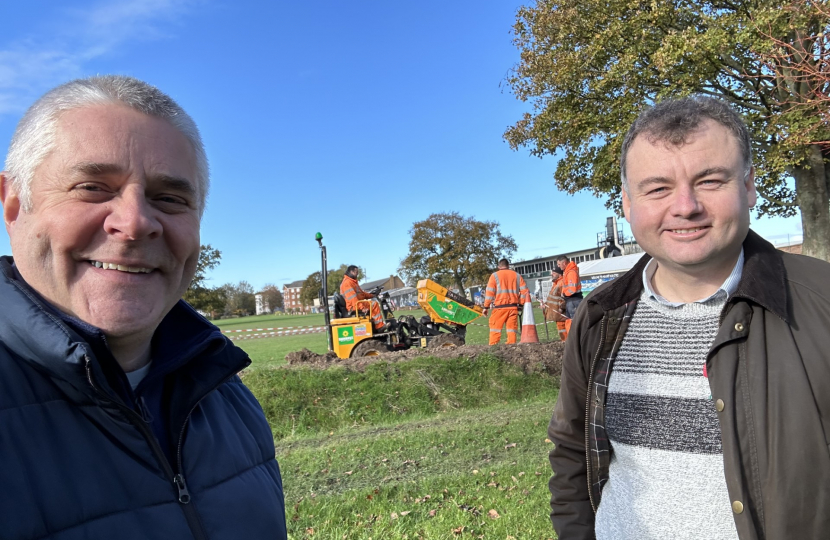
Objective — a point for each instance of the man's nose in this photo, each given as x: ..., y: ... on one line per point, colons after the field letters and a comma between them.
x: 686, y: 202
x: 132, y: 217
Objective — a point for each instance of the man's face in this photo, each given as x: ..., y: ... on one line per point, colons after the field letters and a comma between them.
x: 688, y: 206
x: 561, y: 265
x: 113, y: 234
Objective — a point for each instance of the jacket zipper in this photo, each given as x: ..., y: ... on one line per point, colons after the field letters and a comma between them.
x: 177, y: 479
x: 588, y: 413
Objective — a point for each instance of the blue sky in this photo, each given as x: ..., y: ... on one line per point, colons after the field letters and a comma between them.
x: 355, y: 119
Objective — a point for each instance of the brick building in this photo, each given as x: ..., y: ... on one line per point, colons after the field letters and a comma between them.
x: 291, y: 296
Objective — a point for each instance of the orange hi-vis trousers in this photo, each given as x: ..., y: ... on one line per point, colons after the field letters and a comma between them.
x: 562, y: 326
x: 498, y: 318
x: 377, y: 317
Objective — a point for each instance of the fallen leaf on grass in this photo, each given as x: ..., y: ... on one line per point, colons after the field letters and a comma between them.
x: 310, y: 531
x: 394, y: 515
x: 548, y: 440
x: 475, y: 471
x: 522, y: 473
x: 432, y: 513
x: 492, y: 514
x: 405, y: 512
x: 348, y: 473
x: 513, y: 477
x: 511, y: 445
x: 459, y: 530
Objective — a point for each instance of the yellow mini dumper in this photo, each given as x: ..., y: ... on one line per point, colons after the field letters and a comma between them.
x: 445, y: 324
x: 352, y: 334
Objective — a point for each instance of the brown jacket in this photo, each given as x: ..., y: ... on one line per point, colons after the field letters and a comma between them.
x: 769, y: 369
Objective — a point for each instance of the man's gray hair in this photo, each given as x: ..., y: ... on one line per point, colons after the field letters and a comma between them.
x: 672, y: 122
x: 34, y: 137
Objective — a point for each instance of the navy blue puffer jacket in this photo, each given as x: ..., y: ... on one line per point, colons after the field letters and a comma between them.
x: 77, y: 462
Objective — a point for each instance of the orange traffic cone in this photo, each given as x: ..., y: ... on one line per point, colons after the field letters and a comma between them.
x: 529, y: 334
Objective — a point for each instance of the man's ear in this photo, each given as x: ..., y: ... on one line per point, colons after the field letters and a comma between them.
x: 10, y: 200
x: 626, y: 205
x: 749, y: 184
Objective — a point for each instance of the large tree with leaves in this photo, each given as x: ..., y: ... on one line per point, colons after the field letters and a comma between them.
x: 240, y: 299
x: 455, y: 250
x: 590, y: 67
x: 273, y: 296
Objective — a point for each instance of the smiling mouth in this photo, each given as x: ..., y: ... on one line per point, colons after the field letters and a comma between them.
x: 687, y: 231
x: 120, y: 267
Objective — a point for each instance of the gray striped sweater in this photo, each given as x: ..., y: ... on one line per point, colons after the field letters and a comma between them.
x: 666, y: 475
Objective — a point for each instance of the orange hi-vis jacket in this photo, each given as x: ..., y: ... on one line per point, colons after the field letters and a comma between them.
x: 554, y: 307
x: 570, y: 280
x: 352, y: 292
x: 505, y: 288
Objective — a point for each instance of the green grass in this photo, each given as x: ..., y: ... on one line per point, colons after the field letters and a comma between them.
x: 432, y: 478
x: 423, y: 449
x: 270, y: 352
x: 300, y: 402
x: 268, y: 321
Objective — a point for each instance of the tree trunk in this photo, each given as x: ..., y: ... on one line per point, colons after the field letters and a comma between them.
x: 814, y: 202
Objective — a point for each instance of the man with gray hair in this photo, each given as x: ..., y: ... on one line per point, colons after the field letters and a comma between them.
x: 695, y: 390
x: 121, y: 412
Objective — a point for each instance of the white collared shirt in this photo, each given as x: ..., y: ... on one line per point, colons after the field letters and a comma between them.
x: 726, y: 290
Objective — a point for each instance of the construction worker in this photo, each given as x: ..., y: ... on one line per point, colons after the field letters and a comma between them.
x: 506, y: 293
x: 571, y: 288
x: 350, y: 289
x: 554, y: 307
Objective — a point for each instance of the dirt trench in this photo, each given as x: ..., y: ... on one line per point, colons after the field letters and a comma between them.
x: 531, y: 357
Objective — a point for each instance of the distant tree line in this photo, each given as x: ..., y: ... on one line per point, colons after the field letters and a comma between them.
x: 226, y: 300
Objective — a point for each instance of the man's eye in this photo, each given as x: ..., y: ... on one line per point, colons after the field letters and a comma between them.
x: 656, y: 191
x: 171, y: 199
x: 91, y: 190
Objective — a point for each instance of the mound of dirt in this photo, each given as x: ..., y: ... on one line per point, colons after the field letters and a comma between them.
x: 531, y: 357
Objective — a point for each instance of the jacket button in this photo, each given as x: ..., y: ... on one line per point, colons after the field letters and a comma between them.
x: 737, y: 507
x: 719, y: 408
x: 739, y: 327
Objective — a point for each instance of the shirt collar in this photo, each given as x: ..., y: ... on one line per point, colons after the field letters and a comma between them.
x: 726, y: 290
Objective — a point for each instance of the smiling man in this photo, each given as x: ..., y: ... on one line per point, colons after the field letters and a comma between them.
x: 695, y: 393
x: 121, y: 414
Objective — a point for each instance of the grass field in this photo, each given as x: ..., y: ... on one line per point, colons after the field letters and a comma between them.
x: 271, y: 351
x: 423, y: 449
x: 427, y: 448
